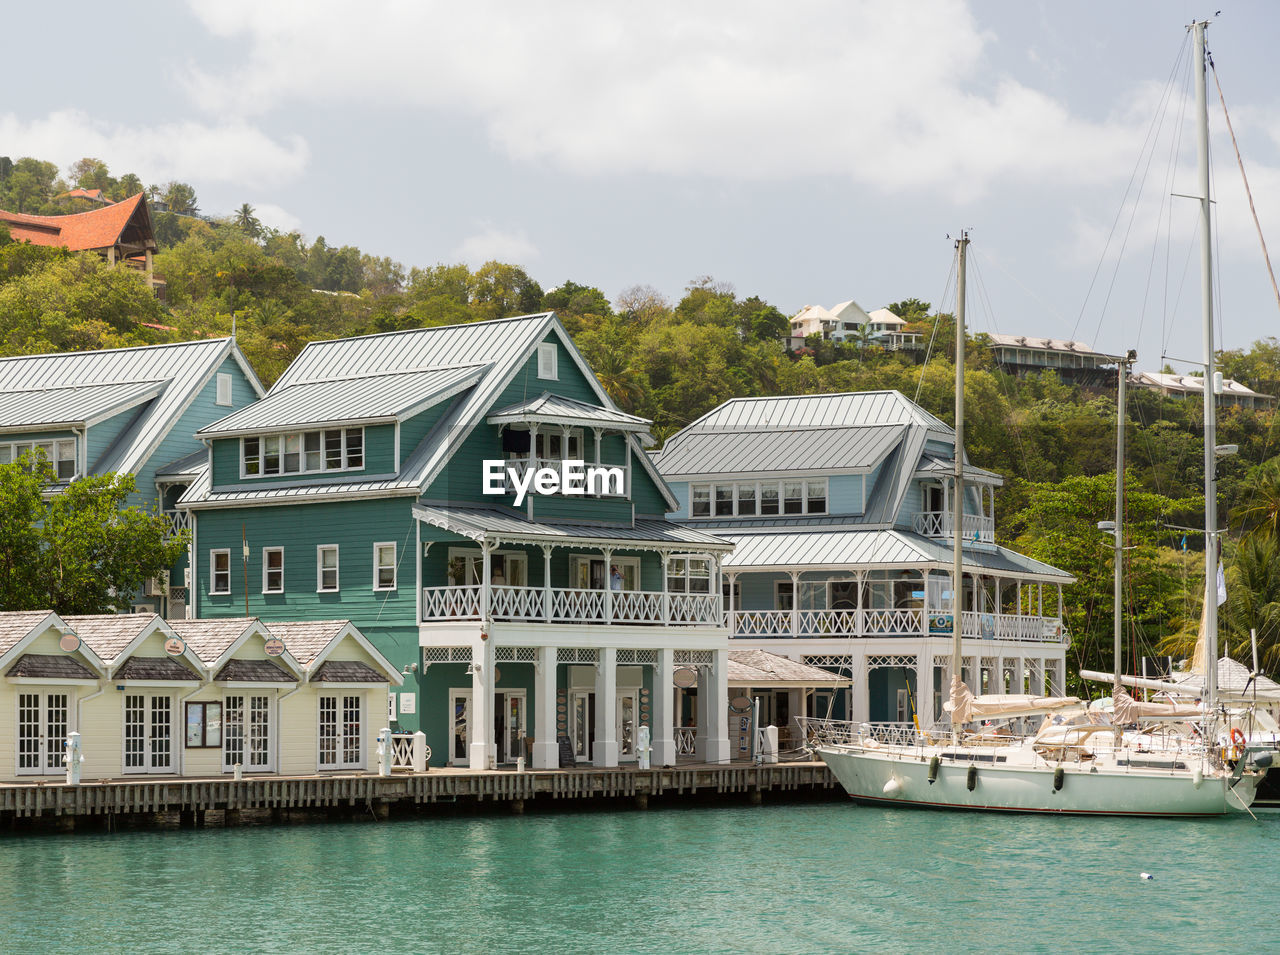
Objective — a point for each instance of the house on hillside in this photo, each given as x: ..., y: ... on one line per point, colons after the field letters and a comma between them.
x: 416, y: 483
x: 125, y: 410
x: 849, y: 322
x: 840, y: 510
x: 120, y: 232
x: 1074, y: 362
x: 1192, y: 387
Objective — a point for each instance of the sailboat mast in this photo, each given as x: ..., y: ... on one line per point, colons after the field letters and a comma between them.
x: 957, y: 528
x: 1210, y: 370
x: 1119, y: 528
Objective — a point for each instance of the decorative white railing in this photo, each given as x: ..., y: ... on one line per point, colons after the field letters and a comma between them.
x: 408, y: 753
x: 179, y: 521
x: 940, y: 524
x: 821, y: 732
x: 572, y: 605
x: 686, y: 740
x: 894, y: 623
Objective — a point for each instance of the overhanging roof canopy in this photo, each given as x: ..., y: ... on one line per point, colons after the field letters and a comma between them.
x: 72, y: 407
x: 762, y: 668
x: 558, y: 410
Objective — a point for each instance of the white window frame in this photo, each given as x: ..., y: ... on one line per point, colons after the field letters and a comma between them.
x: 270, y: 709
x: 223, y: 396
x: 473, y: 560
x: 377, y: 565
x: 266, y: 565
x: 342, y: 752
x: 778, y: 588
x: 49, y: 751
x: 709, y: 488
x: 56, y: 451
x: 547, y: 362
x: 577, y: 561
x: 300, y: 437
x: 213, y: 571
x: 685, y: 560
x: 149, y: 737
x: 321, y: 549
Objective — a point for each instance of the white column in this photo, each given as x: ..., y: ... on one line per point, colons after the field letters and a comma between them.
x: 795, y: 602
x: 608, y: 589
x: 546, y: 750
x: 732, y: 607
x: 663, y: 738
x: 546, y: 582
x: 717, y: 741
x: 924, y: 687
x: 702, y: 714
x: 860, y: 704
x: 480, y: 726
x: 664, y: 556
x: 485, y: 572
x: 606, y: 748
x: 860, y: 627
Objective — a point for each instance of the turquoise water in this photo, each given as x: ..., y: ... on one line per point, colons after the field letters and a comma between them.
x: 810, y: 878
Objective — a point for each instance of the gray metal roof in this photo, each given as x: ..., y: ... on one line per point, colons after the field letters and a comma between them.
x: 872, y: 549
x: 374, y: 397
x: 201, y: 495
x: 930, y: 466
x: 747, y: 451
x: 187, y: 466
x: 186, y: 366
x: 480, y: 523
x: 818, y: 411
x: 72, y: 406
x: 556, y: 409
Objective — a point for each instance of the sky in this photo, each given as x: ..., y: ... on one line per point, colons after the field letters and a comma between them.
x: 807, y: 153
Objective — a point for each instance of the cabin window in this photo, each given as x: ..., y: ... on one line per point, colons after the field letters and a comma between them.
x: 302, y: 452
x: 793, y: 497
x: 326, y: 568
x: 220, y: 571
x: 384, y: 566
x: 689, y: 575
x: 204, y: 726
x: 547, y: 361
x: 273, y: 570
x: 557, y: 446
x: 724, y: 500
x: 768, y: 499
x: 746, y: 500
x: 224, y: 389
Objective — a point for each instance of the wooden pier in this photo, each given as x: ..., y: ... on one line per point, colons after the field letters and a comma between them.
x: 219, y: 801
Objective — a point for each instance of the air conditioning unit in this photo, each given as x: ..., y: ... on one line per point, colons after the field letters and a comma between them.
x: 153, y: 587
x: 144, y: 607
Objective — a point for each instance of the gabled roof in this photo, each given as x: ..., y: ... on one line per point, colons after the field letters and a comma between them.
x: 1191, y: 384
x: 556, y: 409
x: 853, y: 431
x: 254, y: 671
x: 184, y: 366
x: 882, y: 316
x: 155, y: 668
x: 110, y: 634
x: 72, y: 407
x: 50, y: 666
x: 762, y: 668
x: 187, y: 466
x: 17, y: 625
x: 850, y: 311
x: 813, y: 313
x: 365, y: 399
x: 126, y: 222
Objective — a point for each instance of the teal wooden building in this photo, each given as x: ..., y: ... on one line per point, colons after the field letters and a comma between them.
x: 356, y: 489
x: 126, y: 410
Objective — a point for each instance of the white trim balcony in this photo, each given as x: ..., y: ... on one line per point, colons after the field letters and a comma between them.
x: 572, y: 605
x: 873, y: 623
x: 939, y: 524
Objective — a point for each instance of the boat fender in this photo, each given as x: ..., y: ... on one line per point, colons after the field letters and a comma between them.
x: 934, y: 763
x: 892, y: 787
x: 1059, y: 775
x: 1197, y: 779
x: 971, y: 780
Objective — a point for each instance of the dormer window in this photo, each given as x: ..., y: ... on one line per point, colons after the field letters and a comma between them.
x: 61, y: 455
x: 547, y: 361
x: 303, y: 452
x: 765, y: 498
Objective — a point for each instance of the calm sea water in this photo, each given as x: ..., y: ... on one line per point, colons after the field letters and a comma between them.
x: 825, y: 878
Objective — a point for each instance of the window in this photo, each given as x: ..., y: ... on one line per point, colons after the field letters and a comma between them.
x: 547, y: 361
x: 767, y: 498
x: 224, y: 389
x: 219, y: 571
x: 204, y: 725
x: 592, y: 573
x: 784, y: 595
x: 689, y: 575
x: 302, y: 452
x: 60, y: 453
x: 553, y: 446
x: 326, y: 568
x: 384, y: 566
x: 505, y: 568
x: 273, y: 570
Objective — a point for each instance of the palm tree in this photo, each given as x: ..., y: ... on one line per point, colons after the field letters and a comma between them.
x: 618, y: 376
x: 1253, y: 601
x: 1260, y: 511
x: 247, y: 221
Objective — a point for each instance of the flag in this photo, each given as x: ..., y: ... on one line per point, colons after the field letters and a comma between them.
x: 1222, y: 585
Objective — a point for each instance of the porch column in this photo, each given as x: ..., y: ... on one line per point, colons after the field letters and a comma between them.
x: 716, y: 748
x: 608, y: 589
x: 924, y: 687
x: 480, y: 725
x: 795, y: 602
x: 859, y: 708
x: 731, y: 607
x: 664, y: 556
x: 719, y: 585
x: 606, y: 746
x: 485, y: 571
x: 860, y: 625
x: 924, y: 604
x: 662, y: 735
x: 943, y: 518
x: 546, y: 750
x: 1040, y: 598
x: 546, y: 582
x: 533, y: 464
x: 1059, y: 601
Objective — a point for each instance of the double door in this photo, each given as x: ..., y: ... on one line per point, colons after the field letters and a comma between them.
x: 582, y: 723
x: 43, y: 724
x: 247, y: 735
x: 510, y: 722
x: 148, y: 733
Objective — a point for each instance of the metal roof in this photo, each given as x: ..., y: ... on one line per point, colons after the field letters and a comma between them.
x: 930, y: 466
x: 485, y: 523
x: 556, y: 409
x: 186, y: 466
x: 375, y: 397
x: 872, y: 549
x: 200, y: 493
x: 70, y: 407
x: 835, y: 410
x: 186, y: 366
x: 747, y: 451
x: 1047, y: 344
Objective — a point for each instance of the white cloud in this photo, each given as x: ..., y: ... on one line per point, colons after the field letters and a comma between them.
x: 896, y: 96
x: 275, y: 217
x: 495, y: 244
x: 229, y: 151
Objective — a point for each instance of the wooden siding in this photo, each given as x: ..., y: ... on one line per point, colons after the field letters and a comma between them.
x: 104, y: 434
x: 379, y: 458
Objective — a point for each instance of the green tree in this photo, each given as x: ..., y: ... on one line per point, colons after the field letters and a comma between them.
x: 180, y: 198
x: 78, y: 550
x: 247, y: 221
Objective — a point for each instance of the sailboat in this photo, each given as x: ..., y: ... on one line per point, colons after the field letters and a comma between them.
x: 1073, y: 764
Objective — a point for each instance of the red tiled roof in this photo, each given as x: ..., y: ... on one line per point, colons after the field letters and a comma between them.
x: 81, y: 231
x: 94, y: 194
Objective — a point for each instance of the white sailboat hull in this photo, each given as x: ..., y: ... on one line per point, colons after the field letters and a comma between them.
x: 887, y: 777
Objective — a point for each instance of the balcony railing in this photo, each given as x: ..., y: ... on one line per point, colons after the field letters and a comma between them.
x: 572, y: 605
x: 894, y: 623
x: 938, y: 524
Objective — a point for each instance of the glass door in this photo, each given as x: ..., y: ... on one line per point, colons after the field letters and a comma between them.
x: 340, y: 735
x: 628, y: 707
x: 509, y: 724
x: 42, y: 731
x: 460, y: 714
x: 148, y: 733
x: 247, y: 735
x: 582, y: 723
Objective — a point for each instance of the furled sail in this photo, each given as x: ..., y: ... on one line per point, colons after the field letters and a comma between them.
x: 1125, y: 710
x: 964, y: 707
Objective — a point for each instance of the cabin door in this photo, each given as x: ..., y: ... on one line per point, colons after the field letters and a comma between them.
x: 460, y: 715
x: 42, y: 732
x: 582, y: 723
x: 248, y: 733
x: 148, y: 733
x: 509, y: 724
